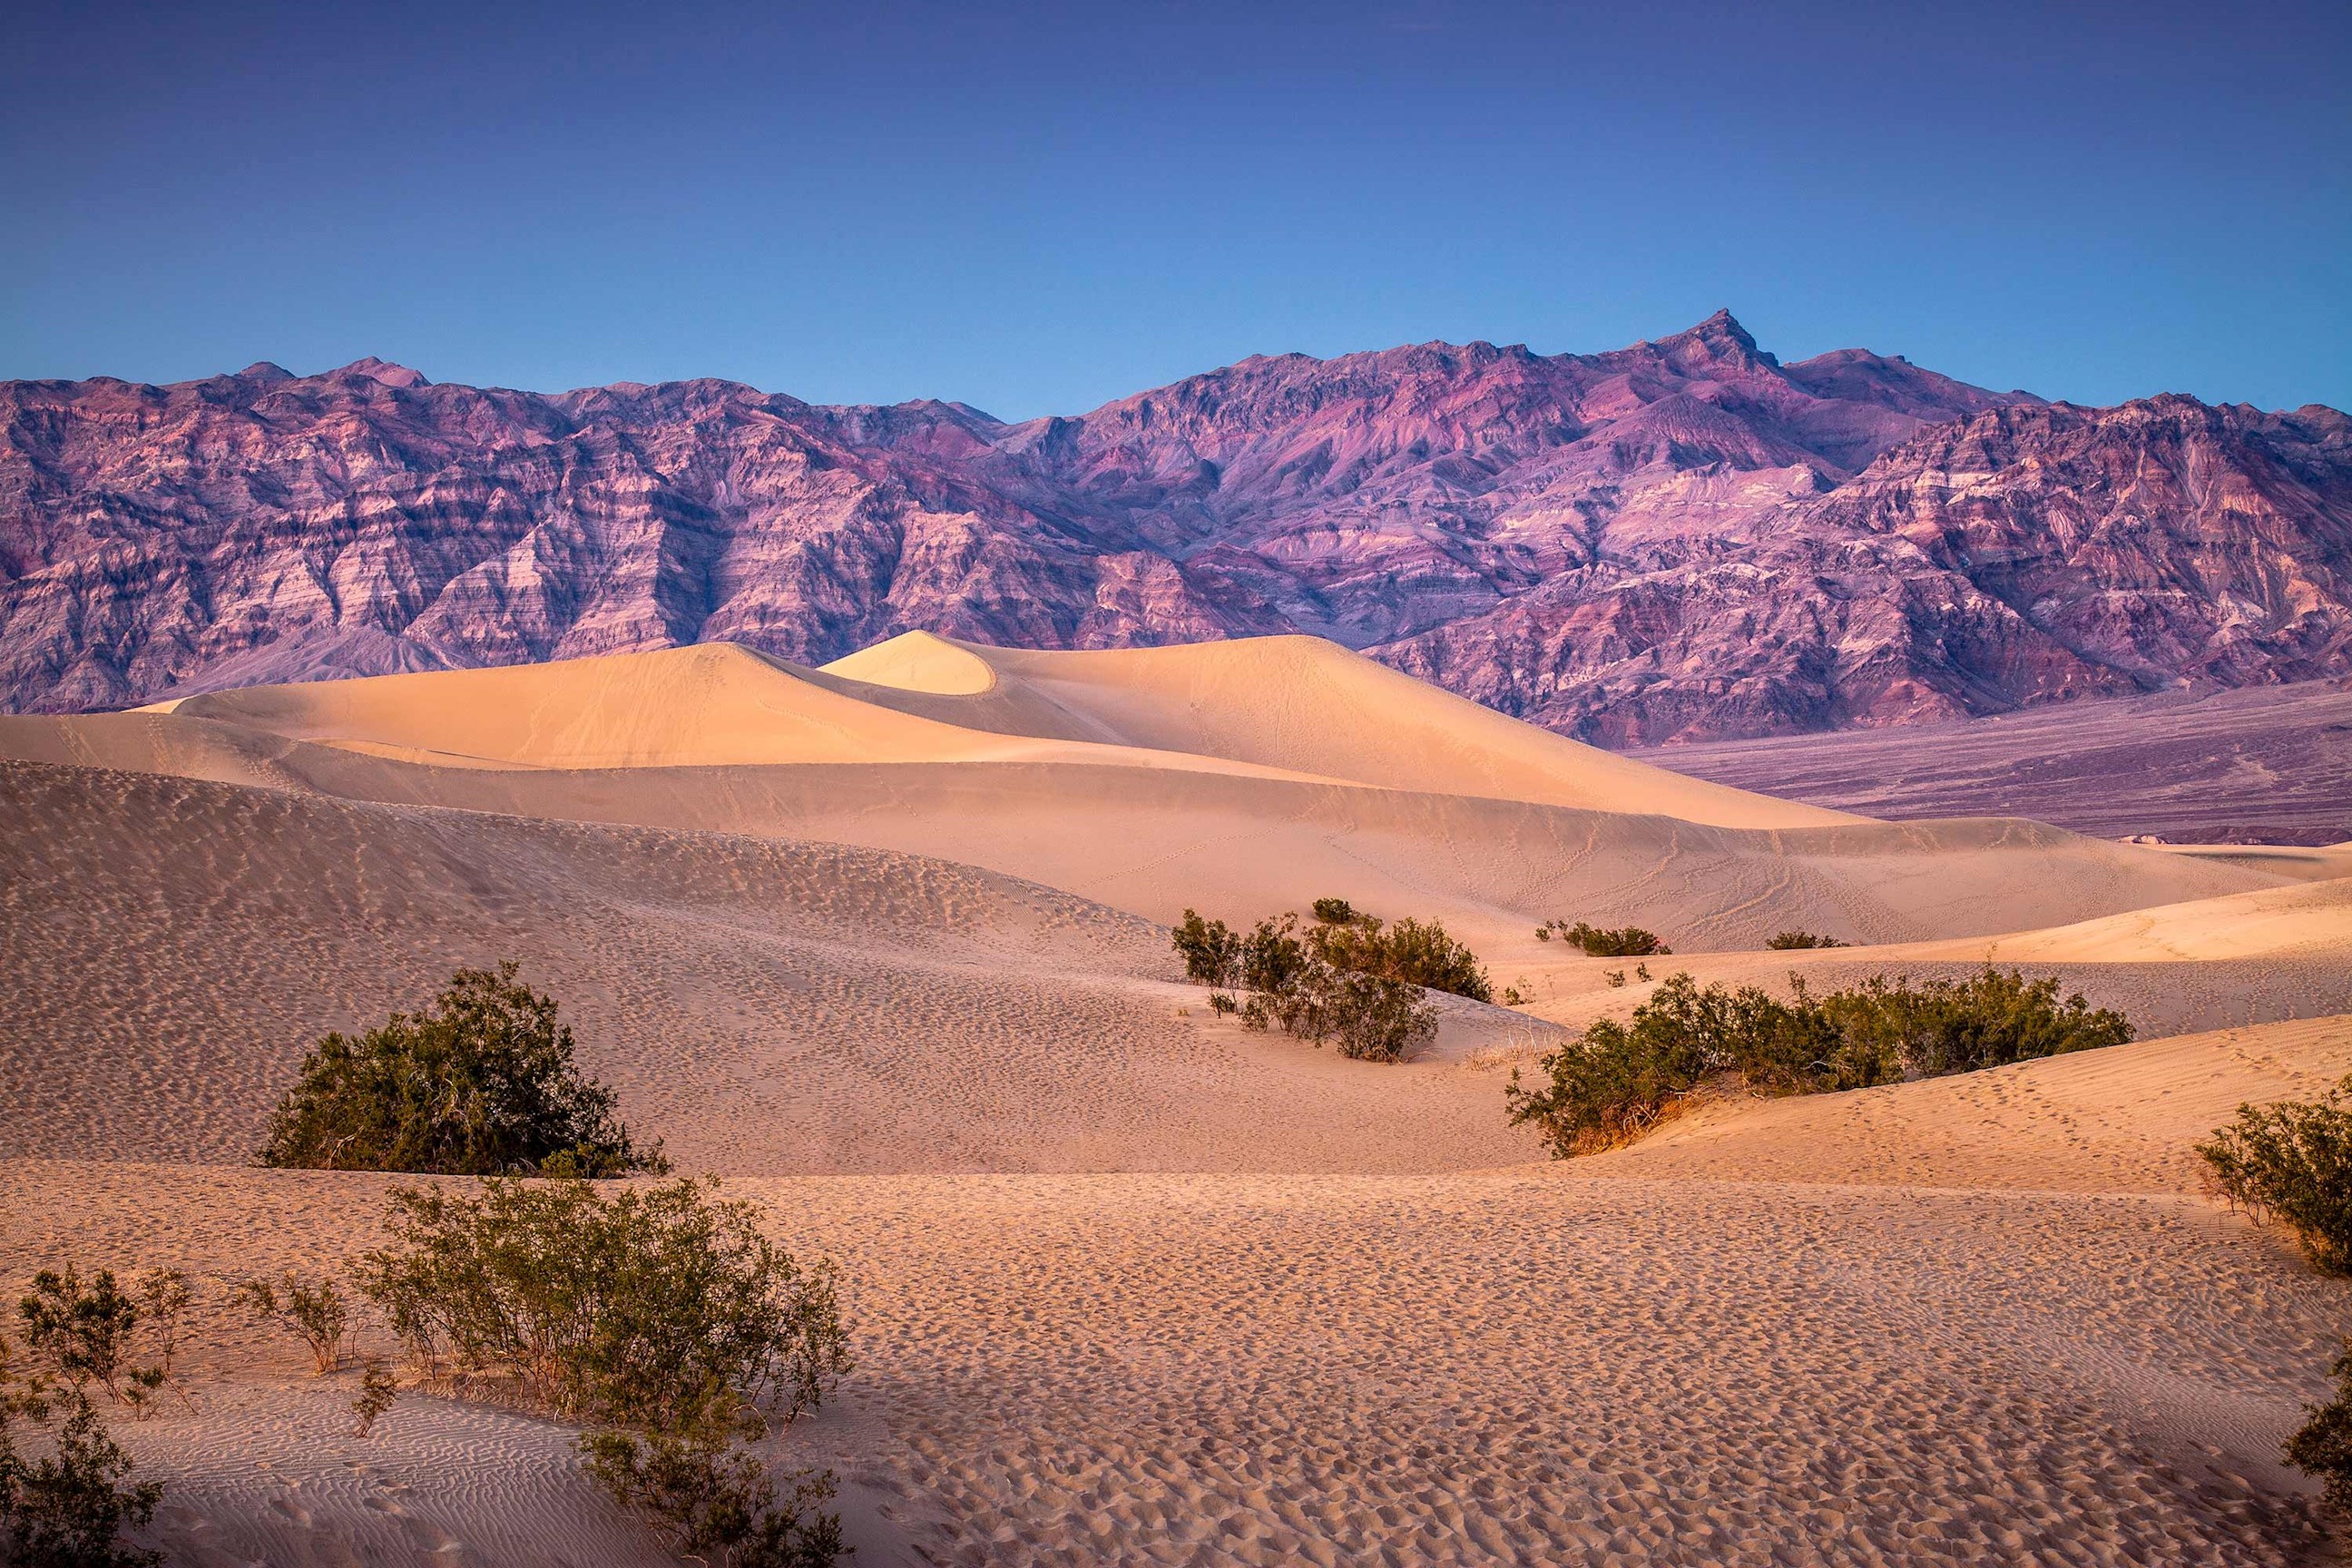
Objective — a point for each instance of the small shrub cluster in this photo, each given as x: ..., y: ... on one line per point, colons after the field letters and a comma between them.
x: 1789, y: 941
x: 1620, y: 942
x: 315, y: 1311
x: 1412, y: 951
x: 68, y: 1508
x: 482, y: 1085
x: 661, y: 1317
x: 2321, y: 1446
x: 95, y: 1334
x: 1616, y: 1080
x: 2291, y: 1162
x: 1348, y: 979
x: 716, y: 1503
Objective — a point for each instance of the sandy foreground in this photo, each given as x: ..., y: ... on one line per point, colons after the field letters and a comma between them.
x: 882, y: 946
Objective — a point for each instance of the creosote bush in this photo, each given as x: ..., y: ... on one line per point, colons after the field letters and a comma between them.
x: 378, y: 1392
x: 96, y: 1333
x: 660, y: 1317
x: 1348, y: 979
x: 714, y: 1501
x: 482, y: 1085
x: 2291, y: 1162
x: 315, y: 1311
x: 2322, y: 1445
x: 1615, y: 1081
x: 1620, y: 942
x: 68, y: 1508
x: 1789, y: 941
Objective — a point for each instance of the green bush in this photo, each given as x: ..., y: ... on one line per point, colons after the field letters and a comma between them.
x: 1211, y: 951
x: 714, y: 1503
x: 636, y: 1310
x: 662, y: 1317
x: 1348, y: 979
x: 1413, y: 951
x: 1620, y: 941
x: 2291, y: 1162
x: 1786, y: 940
x: 1616, y: 1080
x: 2323, y: 1447
x: 81, y: 1333
x: 1989, y: 1020
x: 96, y: 1332
x: 316, y: 1312
x: 69, y: 1508
x: 483, y: 1085
x: 1366, y: 1016
x: 1272, y: 957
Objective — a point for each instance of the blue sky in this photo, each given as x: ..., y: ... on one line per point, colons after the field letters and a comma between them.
x: 1034, y: 208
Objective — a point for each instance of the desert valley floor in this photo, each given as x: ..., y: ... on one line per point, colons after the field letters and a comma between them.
x: 884, y: 946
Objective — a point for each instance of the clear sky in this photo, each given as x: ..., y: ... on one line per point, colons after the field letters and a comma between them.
x: 1037, y: 208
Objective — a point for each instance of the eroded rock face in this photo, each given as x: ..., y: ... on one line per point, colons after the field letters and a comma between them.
x: 1671, y: 540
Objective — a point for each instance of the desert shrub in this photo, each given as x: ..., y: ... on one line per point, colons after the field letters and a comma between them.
x: 1273, y: 957
x: 2291, y: 1162
x: 714, y: 1503
x: 1413, y: 952
x: 1786, y: 940
x: 482, y: 1085
x: 661, y: 1316
x: 69, y: 1508
x: 1616, y: 1080
x: 316, y: 1312
x: 125, y: 1342
x: 636, y: 1310
x: 1211, y: 951
x: 1366, y: 1016
x: 82, y: 1332
x: 1620, y: 942
x: 378, y: 1391
x: 1990, y: 1019
x: 1348, y: 979
x: 2322, y: 1447
x: 163, y: 1301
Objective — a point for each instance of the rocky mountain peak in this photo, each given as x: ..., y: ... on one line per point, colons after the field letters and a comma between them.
x: 383, y: 372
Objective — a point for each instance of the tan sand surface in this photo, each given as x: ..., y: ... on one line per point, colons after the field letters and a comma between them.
x: 881, y: 945
x: 1532, y: 1365
x: 776, y: 1007
x: 2123, y: 1119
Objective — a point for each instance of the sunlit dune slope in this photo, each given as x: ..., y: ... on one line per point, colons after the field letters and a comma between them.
x: 1286, y: 706
x: 713, y: 704
x: 1237, y: 778
x: 1296, y: 703
x: 2125, y: 1119
x: 2299, y: 920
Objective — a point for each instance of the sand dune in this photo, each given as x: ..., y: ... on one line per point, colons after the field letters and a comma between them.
x: 878, y: 943
x: 1235, y: 778
x: 1294, y: 703
x: 773, y: 1007
x: 2121, y: 1119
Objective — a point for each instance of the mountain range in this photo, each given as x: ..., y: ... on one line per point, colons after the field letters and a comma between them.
x: 1681, y: 540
